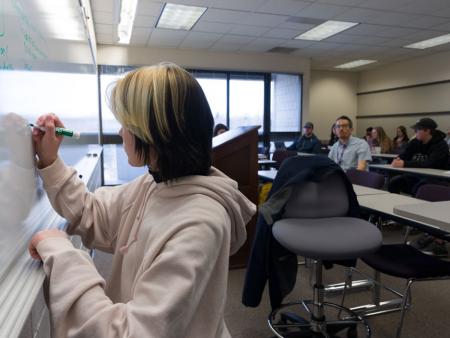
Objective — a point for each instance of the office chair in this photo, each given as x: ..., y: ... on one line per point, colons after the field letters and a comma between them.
x: 280, y: 155
x: 433, y: 192
x: 405, y: 261
x: 366, y: 178
x: 314, y: 225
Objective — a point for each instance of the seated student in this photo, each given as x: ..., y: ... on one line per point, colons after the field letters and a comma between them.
x: 219, y: 129
x: 333, y: 136
x: 400, y: 140
x: 427, y: 150
x: 349, y: 152
x: 308, y: 142
x: 170, y: 231
x: 368, y: 135
x: 381, y: 140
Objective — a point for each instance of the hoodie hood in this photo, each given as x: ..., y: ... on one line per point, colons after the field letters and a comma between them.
x: 222, y: 189
x: 437, y: 136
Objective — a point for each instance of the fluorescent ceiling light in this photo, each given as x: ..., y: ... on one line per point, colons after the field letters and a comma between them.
x: 354, y: 64
x: 326, y: 30
x: 62, y: 19
x: 127, y: 14
x: 439, y: 40
x: 179, y: 16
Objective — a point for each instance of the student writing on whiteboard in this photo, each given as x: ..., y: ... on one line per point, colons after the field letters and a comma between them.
x: 170, y: 231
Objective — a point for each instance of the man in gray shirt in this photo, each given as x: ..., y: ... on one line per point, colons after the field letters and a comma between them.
x: 349, y: 152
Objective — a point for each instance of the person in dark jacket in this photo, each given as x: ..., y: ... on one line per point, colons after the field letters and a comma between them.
x: 427, y: 150
x: 308, y: 142
x: 269, y: 261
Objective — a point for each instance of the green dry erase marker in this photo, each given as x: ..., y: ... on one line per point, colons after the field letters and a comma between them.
x: 59, y: 131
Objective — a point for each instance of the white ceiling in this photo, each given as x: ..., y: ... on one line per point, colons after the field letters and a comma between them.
x: 249, y: 26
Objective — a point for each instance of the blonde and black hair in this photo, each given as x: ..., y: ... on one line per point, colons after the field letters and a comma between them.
x: 165, y: 109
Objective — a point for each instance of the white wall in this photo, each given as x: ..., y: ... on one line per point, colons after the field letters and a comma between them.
x: 198, y: 59
x: 331, y: 94
x: 426, y: 99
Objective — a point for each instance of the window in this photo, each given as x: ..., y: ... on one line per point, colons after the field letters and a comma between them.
x: 109, y: 122
x: 285, y: 101
x: 214, y: 86
x: 246, y: 100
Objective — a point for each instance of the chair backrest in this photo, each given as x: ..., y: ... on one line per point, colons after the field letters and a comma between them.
x: 365, y: 178
x: 433, y: 192
x: 279, y: 145
x: 328, y: 198
x: 280, y: 155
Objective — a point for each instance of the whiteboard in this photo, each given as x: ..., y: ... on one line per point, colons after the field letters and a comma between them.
x: 31, y: 43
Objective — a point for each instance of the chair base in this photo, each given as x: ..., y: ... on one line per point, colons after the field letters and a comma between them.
x: 338, y: 322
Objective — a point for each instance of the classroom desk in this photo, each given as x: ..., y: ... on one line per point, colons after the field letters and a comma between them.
x: 435, y: 213
x: 435, y: 173
x: 266, y: 163
x: 385, y: 156
x: 385, y: 207
x: 361, y: 190
x: 267, y: 175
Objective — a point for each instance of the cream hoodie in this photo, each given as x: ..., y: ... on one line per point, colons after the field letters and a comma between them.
x: 170, y: 244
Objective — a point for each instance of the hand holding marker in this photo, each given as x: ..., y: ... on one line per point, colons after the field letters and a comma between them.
x: 59, y: 131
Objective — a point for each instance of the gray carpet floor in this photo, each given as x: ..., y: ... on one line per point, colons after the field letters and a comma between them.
x: 428, y: 315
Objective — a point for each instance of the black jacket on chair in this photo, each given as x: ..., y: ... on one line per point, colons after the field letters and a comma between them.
x: 269, y: 261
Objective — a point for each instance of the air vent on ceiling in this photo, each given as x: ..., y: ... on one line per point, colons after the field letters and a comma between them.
x: 306, y: 21
x: 282, y: 50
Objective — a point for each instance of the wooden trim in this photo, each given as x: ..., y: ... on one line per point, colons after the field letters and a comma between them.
x: 402, y: 115
x: 425, y: 84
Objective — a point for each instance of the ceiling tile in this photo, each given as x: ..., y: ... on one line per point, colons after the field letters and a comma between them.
x: 249, y: 30
x: 429, y: 21
x: 386, y: 5
x: 166, y: 37
x: 239, y: 39
x: 444, y: 28
x: 286, y: 7
x: 201, y: 3
x: 350, y: 3
x: 443, y: 12
x: 394, y: 32
x: 212, y: 27
x: 104, y: 29
x: 425, y: 7
x: 397, y: 43
x: 141, y: 32
x: 247, y: 5
x: 145, y: 21
x: 225, y: 16
x: 296, y: 43
x: 139, y: 40
x: 103, y: 18
x: 322, y: 11
x: 265, y: 20
x: 300, y: 27
x: 150, y: 8
x: 103, y: 5
x: 104, y: 38
x: 226, y: 47
x: 281, y: 33
x: 200, y: 40
x: 423, y: 35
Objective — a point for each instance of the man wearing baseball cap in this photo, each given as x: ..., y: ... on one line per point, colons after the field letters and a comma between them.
x: 427, y: 150
x: 308, y: 142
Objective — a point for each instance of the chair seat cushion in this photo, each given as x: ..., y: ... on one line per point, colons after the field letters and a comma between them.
x: 404, y: 261
x: 332, y: 238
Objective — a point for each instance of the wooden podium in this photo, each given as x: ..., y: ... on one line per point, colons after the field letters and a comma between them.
x: 236, y: 154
